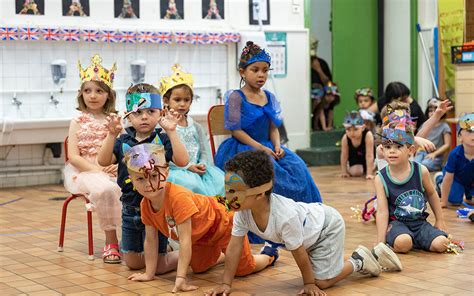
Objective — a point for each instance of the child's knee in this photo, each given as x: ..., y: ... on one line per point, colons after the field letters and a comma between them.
x: 134, y: 260
x: 403, y: 243
x: 356, y: 170
x: 439, y: 244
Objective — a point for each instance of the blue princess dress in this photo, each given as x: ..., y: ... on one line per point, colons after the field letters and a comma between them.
x: 195, y: 141
x: 292, y: 178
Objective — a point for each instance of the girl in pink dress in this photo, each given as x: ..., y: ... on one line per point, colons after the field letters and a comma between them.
x: 82, y: 174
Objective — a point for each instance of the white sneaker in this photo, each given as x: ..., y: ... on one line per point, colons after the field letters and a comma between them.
x: 387, y: 258
x: 369, y: 263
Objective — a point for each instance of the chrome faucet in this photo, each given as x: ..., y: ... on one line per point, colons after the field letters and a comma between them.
x: 53, y: 100
x: 197, y: 97
x: 15, y: 101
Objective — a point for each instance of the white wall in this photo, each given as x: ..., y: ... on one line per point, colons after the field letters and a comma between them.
x: 397, y: 42
x: 25, y: 64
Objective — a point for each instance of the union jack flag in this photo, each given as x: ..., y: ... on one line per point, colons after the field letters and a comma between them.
x: 231, y: 37
x: 29, y: 34
x: 199, y: 38
x: 51, y: 34
x: 71, y: 34
x: 128, y: 36
x: 163, y: 37
x: 181, y: 37
x: 90, y: 35
x: 7, y: 33
x: 215, y: 38
x: 146, y: 37
x: 109, y: 36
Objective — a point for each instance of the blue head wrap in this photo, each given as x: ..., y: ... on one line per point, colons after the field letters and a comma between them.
x: 151, y: 101
x: 262, y: 56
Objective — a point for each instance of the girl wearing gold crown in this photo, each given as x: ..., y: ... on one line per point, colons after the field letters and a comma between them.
x: 200, y: 175
x: 253, y: 115
x: 82, y: 174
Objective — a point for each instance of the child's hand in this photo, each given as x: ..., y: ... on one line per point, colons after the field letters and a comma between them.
x: 114, y: 124
x: 345, y: 175
x: 222, y: 289
x: 280, y: 152
x: 312, y: 290
x: 268, y: 151
x: 430, y: 156
x: 443, y: 108
x: 369, y: 177
x: 441, y: 225
x: 427, y: 145
x: 326, y: 129
x: 110, y: 170
x: 169, y: 120
x: 181, y: 285
x: 141, y: 277
x: 199, y: 169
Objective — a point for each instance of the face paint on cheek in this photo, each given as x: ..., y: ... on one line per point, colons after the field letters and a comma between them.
x: 235, y: 189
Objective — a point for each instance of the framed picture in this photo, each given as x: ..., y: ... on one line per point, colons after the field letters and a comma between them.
x: 127, y: 9
x: 31, y: 7
x: 259, y: 9
x: 172, y: 9
x: 213, y: 9
x: 75, y: 7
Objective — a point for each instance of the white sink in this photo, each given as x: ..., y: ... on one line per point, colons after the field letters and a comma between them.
x: 33, y: 131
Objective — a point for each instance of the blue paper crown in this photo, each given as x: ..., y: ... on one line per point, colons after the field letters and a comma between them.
x: 262, y: 56
x: 466, y: 122
x: 151, y: 101
x: 353, y: 119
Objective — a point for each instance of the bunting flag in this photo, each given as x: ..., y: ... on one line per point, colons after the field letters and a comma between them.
x: 31, y: 34
x: 7, y: 33
x: 109, y: 36
x: 50, y: 34
x: 90, y: 35
x: 70, y: 34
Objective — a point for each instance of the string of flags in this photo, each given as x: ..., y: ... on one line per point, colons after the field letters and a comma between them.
x: 116, y: 36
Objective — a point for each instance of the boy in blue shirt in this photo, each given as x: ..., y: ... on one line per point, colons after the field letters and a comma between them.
x: 458, y: 179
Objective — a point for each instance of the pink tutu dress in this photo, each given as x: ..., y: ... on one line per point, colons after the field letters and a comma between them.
x: 100, y: 188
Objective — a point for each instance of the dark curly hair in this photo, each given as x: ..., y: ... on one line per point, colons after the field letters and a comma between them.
x: 254, y: 166
x: 142, y: 88
x: 248, y: 52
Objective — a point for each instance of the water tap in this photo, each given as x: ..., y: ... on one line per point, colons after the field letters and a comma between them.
x: 15, y: 101
x: 53, y: 100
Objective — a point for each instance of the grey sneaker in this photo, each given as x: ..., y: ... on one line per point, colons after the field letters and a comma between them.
x: 387, y: 258
x: 369, y: 263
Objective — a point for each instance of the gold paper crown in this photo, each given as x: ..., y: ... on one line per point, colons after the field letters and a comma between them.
x: 95, y: 72
x: 177, y: 78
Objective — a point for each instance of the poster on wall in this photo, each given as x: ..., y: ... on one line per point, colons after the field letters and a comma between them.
x: 276, y: 46
x: 75, y: 7
x: 127, y: 9
x: 32, y: 7
x: 172, y: 9
x: 259, y: 9
x: 213, y: 9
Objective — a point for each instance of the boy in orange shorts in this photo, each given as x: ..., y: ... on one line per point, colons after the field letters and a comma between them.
x: 200, y: 223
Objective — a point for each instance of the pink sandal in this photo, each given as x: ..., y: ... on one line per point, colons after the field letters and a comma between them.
x: 109, y: 252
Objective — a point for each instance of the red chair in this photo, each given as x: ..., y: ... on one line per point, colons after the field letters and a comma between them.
x: 64, y: 213
x: 215, y: 123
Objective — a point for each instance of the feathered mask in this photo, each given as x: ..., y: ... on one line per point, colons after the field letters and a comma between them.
x: 353, y: 119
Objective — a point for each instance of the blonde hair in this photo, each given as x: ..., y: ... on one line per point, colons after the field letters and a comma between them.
x: 109, y: 106
x: 394, y: 105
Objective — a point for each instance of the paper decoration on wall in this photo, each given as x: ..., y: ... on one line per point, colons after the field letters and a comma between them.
x: 259, y: 9
x: 32, y: 7
x: 172, y: 9
x: 75, y: 7
x: 127, y: 9
x: 116, y: 36
x: 213, y: 9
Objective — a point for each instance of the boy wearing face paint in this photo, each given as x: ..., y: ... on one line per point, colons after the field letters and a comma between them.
x: 314, y: 232
x: 202, y: 224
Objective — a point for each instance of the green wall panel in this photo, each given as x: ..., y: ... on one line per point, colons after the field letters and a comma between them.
x: 354, y: 50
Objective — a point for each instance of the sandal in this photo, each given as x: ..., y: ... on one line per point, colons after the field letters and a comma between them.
x: 107, y: 252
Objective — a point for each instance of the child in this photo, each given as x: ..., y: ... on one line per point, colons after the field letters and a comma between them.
x: 201, y: 223
x: 365, y: 100
x: 458, y: 177
x: 440, y: 135
x: 325, y: 110
x: 253, y: 115
x: 82, y: 174
x: 317, y: 95
x: 402, y: 190
x: 357, y: 148
x: 143, y: 104
x: 200, y: 175
x: 314, y: 233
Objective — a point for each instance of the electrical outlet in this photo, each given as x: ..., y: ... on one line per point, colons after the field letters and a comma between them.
x: 296, y: 9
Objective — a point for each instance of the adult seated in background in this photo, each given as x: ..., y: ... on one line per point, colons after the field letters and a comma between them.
x: 399, y: 91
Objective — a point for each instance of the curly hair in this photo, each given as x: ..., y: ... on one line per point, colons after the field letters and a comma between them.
x: 248, y: 52
x: 142, y: 88
x: 254, y: 166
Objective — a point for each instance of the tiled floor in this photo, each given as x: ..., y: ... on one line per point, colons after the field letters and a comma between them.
x: 30, y: 264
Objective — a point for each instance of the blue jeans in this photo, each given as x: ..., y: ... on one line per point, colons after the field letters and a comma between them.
x: 432, y: 165
x: 457, y: 191
x: 133, y: 232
